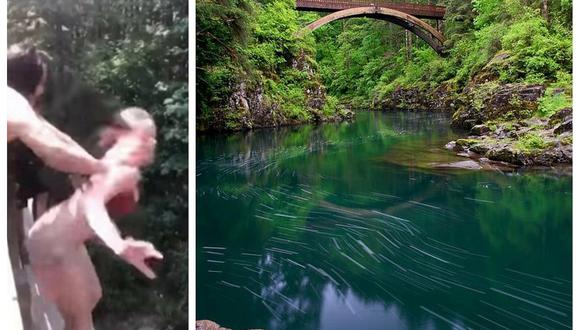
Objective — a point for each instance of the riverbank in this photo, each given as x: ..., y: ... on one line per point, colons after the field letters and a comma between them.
x: 254, y: 102
x: 251, y: 107
x: 522, y: 124
x: 519, y: 124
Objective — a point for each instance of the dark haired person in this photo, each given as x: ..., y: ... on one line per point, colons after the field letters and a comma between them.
x: 27, y: 76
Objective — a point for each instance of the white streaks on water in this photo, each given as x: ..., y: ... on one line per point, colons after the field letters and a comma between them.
x: 546, y: 318
x: 479, y: 200
x: 289, y: 301
x: 272, y: 249
x: 513, y: 315
x: 252, y: 292
x: 230, y: 284
x: 529, y: 302
x: 455, y: 325
x: 545, y: 297
x: 336, y: 243
x: 493, y: 322
x: 295, y: 263
x: 366, y: 248
x: 554, y: 291
x: 459, y: 285
x: 426, y: 205
x: 390, y: 294
x: 269, y: 308
x: 391, y: 216
x: 285, y: 215
x: 354, y: 261
x: 263, y: 218
x: 428, y: 254
x: 388, y: 240
x: 349, y: 306
x: 533, y: 276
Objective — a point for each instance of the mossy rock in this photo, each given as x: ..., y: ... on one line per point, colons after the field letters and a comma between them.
x: 466, y: 143
x: 566, y: 140
x: 505, y: 154
x: 560, y: 116
x: 481, y: 148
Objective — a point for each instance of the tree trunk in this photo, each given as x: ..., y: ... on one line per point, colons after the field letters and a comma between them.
x: 408, y: 44
x: 545, y: 10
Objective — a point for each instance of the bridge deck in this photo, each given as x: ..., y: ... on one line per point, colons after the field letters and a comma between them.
x: 417, y: 10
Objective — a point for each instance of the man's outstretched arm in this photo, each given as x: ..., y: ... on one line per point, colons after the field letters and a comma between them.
x: 55, y: 148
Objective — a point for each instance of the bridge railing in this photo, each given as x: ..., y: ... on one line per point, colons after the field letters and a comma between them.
x: 29, y: 309
x: 418, y: 10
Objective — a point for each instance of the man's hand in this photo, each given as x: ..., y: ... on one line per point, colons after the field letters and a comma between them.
x: 137, y: 252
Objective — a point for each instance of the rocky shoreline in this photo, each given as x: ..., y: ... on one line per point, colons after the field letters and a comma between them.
x: 501, y: 121
x: 250, y: 105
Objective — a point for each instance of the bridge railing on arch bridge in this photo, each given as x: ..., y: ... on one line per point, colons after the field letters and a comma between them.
x: 417, y: 10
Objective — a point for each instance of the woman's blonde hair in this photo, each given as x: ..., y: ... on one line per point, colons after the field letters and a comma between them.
x: 135, y: 118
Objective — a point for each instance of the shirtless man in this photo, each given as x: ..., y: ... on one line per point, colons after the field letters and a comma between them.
x: 58, y: 256
x: 27, y: 76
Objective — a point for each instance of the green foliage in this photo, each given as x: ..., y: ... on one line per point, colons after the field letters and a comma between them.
x: 270, y: 55
x: 531, y: 142
x: 331, y: 105
x: 364, y: 60
x: 536, y: 52
x: 552, y: 102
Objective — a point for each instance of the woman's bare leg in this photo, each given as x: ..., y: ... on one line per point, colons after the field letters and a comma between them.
x: 73, y: 286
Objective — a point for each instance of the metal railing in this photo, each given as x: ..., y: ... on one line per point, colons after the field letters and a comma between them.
x: 418, y: 10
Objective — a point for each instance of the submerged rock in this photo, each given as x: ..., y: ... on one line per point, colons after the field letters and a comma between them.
x: 465, y: 164
x: 454, y: 146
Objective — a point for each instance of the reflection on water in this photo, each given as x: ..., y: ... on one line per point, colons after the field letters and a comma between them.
x: 333, y: 227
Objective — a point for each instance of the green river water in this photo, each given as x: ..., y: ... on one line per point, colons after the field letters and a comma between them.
x: 347, y: 226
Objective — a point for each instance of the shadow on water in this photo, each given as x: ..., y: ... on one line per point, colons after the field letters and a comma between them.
x: 317, y: 227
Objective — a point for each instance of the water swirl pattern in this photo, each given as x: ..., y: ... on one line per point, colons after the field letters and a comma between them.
x: 347, y: 226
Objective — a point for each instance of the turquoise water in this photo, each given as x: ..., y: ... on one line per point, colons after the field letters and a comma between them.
x: 346, y: 226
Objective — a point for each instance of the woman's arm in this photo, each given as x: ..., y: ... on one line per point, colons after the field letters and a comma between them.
x: 93, y: 205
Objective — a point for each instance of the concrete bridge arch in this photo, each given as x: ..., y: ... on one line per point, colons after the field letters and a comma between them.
x: 420, y: 28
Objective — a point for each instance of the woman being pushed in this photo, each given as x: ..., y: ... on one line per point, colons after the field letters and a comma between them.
x: 56, y: 241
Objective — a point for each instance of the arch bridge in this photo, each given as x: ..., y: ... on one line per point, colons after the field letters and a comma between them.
x: 407, y: 15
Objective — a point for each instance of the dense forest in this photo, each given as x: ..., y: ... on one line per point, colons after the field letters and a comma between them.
x: 106, y: 54
x: 254, y: 70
